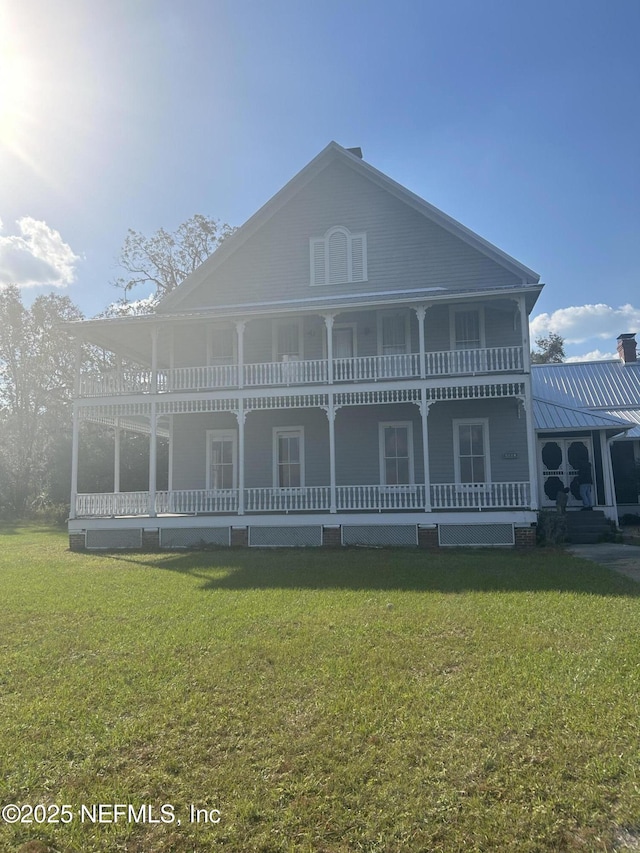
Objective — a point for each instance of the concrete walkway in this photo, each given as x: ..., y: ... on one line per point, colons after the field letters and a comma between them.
x: 621, y: 558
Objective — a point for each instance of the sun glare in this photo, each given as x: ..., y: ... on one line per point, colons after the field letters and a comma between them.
x: 16, y: 93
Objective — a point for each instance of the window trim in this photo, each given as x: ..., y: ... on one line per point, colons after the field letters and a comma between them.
x: 217, y: 434
x: 407, y: 329
x: 458, y: 422
x: 284, y: 321
x: 382, y: 425
x: 459, y: 309
x: 276, y: 433
x: 234, y: 344
x: 324, y: 242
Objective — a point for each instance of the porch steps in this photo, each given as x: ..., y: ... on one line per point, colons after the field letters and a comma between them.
x: 586, y: 528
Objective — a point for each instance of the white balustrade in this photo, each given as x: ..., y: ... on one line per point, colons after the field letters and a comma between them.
x: 203, y: 378
x: 479, y: 495
x: 378, y: 498
x: 372, y: 367
x: 112, y: 504
x: 307, y: 498
x: 286, y: 372
x: 472, y: 361
x: 191, y: 501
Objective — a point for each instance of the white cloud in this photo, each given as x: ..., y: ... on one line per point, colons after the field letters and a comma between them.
x: 594, y: 355
x: 37, y: 256
x: 581, y: 323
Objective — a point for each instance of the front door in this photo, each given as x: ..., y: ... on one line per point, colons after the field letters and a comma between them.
x: 558, y: 460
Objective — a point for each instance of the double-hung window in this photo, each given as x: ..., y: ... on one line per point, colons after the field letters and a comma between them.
x: 467, y: 328
x: 287, y: 340
x: 471, y: 451
x: 222, y: 455
x: 288, y: 457
x: 222, y: 345
x: 396, y: 454
x: 393, y: 332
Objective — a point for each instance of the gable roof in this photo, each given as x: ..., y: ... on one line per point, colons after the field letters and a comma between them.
x: 334, y: 152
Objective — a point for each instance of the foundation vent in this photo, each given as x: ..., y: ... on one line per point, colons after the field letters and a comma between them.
x: 475, y: 534
x: 380, y: 535
x: 194, y: 537
x: 285, y: 537
x: 114, y: 538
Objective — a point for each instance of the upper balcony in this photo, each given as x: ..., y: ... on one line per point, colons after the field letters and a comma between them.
x: 292, y: 372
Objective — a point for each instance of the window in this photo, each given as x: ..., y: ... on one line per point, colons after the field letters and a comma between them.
x: 396, y: 454
x: 287, y: 340
x: 471, y: 456
x: 288, y: 457
x: 222, y: 345
x: 339, y: 257
x: 467, y: 328
x: 393, y: 332
x: 222, y: 454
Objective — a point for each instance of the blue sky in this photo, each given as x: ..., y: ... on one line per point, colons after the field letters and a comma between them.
x: 520, y: 119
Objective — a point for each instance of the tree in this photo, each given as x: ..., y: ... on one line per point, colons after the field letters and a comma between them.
x: 165, y: 259
x: 37, y: 364
x: 550, y: 350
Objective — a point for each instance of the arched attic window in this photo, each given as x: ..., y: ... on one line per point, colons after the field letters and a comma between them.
x: 339, y: 257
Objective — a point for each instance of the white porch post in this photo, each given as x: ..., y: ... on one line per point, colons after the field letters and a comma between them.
x: 421, y: 312
x: 241, y: 415
x: 526, y: 341
x: 75, y: 443
x: 607, y: 470
x: 240, y: 327
x: 153, y: 457
x: 527, y: 404
x: 116, y: 457
x: 170, y: 478
x: 328, y: 322
x: 331, y: 417
x: 154, y: 360
x: 424, y: 415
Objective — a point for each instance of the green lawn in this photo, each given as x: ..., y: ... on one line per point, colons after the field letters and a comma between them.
x: 366, y: 700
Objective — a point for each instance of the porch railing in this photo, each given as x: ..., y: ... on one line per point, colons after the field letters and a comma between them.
x: 480, y: 495
x: 378, y: 498
x: 361, y: 498
x: 314, y: 371
x: 461, y: 362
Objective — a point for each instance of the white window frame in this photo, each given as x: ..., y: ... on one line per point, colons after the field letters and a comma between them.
x: 217, y: 435
x: 276, y: 324
x: 383, y: 470
x: 457, y: 423
x: 407, y: 330
x: 211, y: 331
x: 322, y: 244
x: 276, y: 433
x: 460, y: 309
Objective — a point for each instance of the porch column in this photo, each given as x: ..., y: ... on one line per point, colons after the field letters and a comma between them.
x: 75, y: 443
x: 172, y: 359
x: 421, y: 312
x: 424, y: 415
x: 241, y: 416
x: 526, y: 341
x: 330, y: 410
x: 154, y: 360
x: 116, y: 457
x: 527, y: 405
x: 170, y: 477
x: 153, y: 457
x: 328, y: 322
x: 240, y: 327
x: 607, y: 471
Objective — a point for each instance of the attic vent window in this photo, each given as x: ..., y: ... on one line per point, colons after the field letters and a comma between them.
x: 339, y: 257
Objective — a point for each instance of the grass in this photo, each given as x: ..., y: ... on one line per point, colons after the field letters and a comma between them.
x: 322, y: 701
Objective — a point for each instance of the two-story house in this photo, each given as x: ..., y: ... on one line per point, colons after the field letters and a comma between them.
x: 350, y: 366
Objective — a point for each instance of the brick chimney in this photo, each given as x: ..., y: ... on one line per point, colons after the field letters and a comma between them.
x: 627, y: 348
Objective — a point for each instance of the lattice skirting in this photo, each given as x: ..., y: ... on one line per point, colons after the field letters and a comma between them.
x: 475, y: 534
x: 285, y: 537
x: 114, y: 538
x: 199, y: 537
x: 379, y: 535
